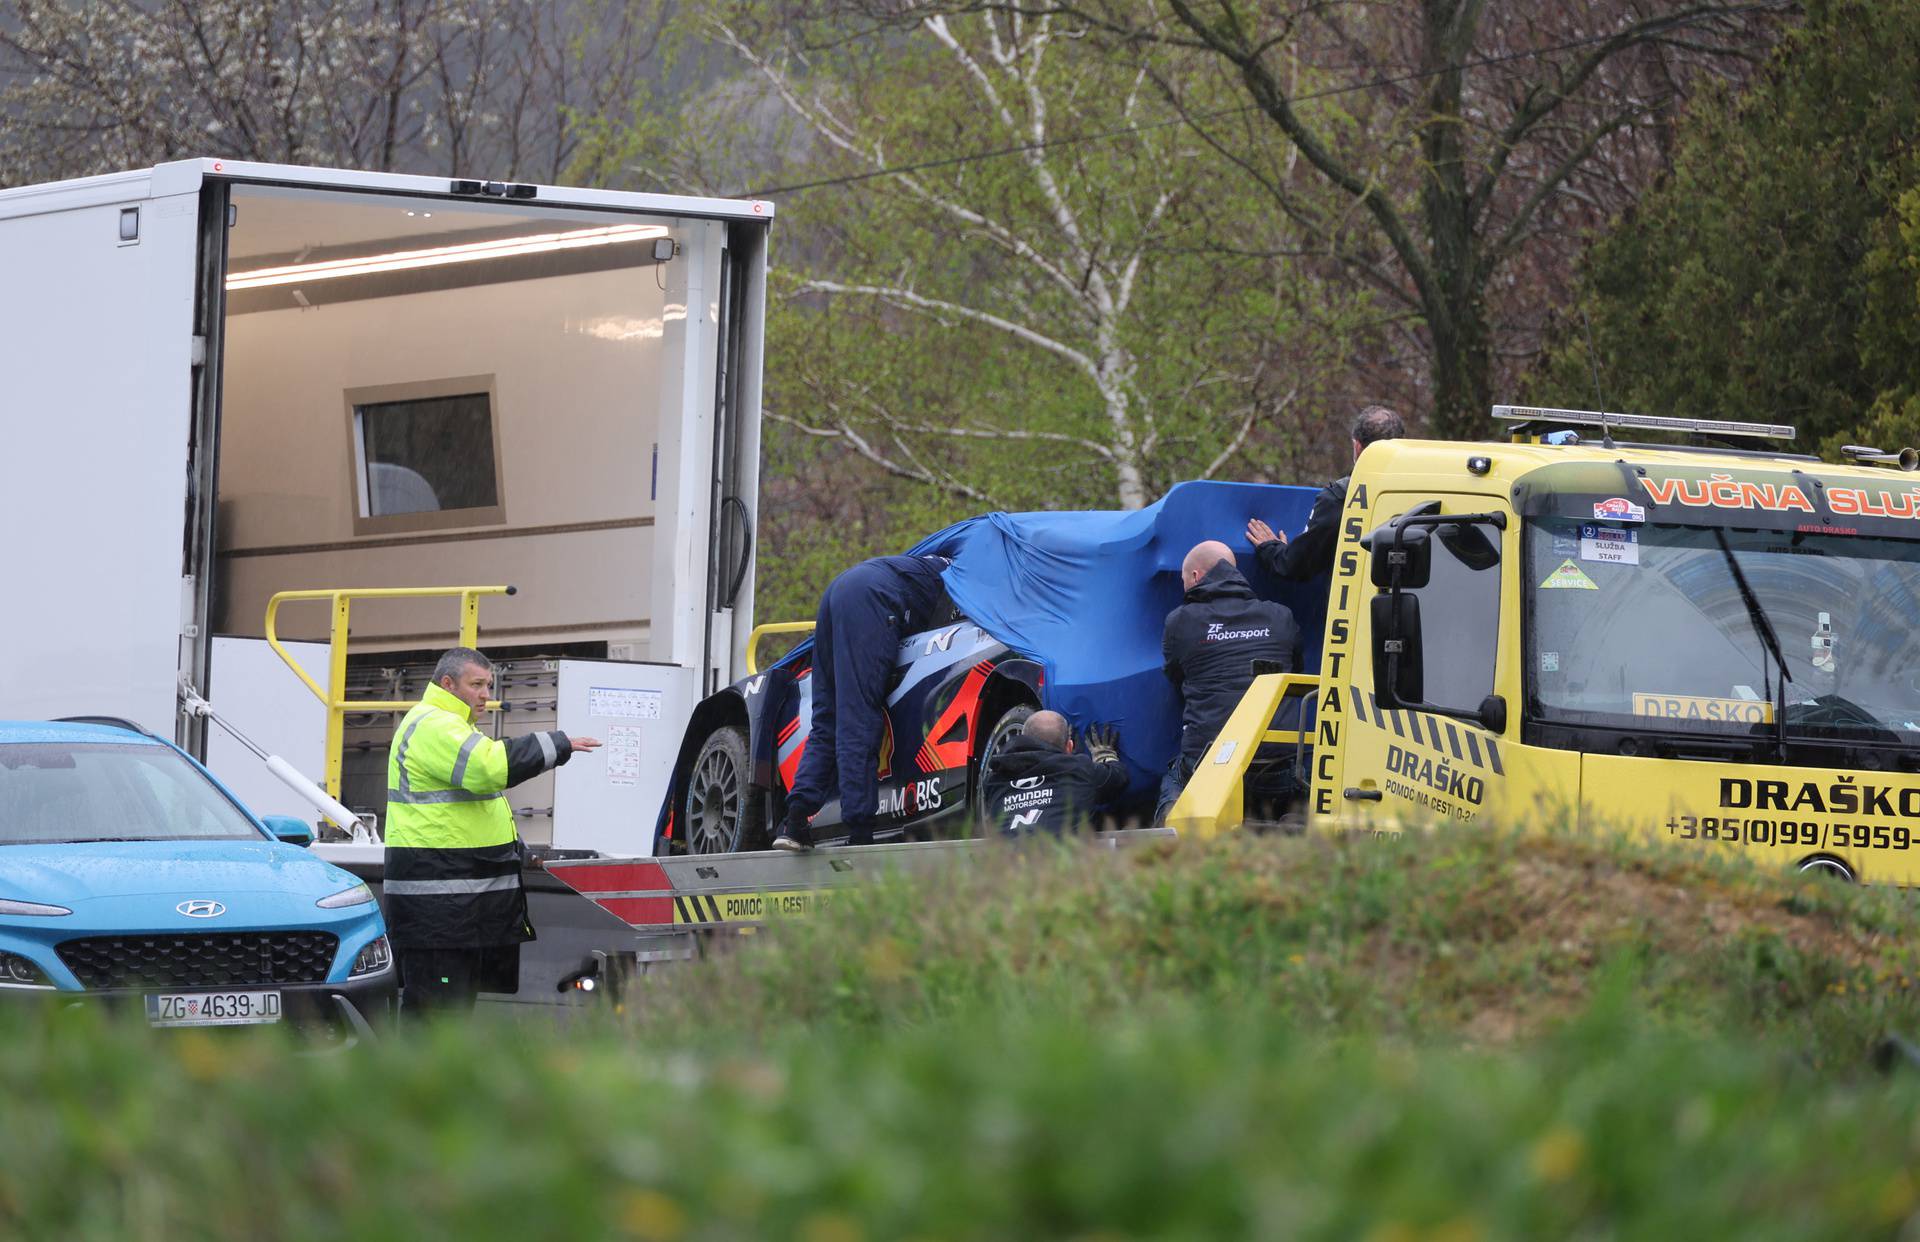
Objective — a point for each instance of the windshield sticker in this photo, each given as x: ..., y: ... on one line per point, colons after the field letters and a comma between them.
x: 1549, y: 661
x: 1569, y: 577
x: 1619, y: 509
x: 1823, y: 644
x: 1688, y: 707
x: 1609, y: 545
x: 1723, y: 491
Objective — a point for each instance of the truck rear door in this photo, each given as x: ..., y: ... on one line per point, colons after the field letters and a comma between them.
x: 102, y: 360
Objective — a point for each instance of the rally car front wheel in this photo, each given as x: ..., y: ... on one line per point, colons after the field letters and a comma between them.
x: 1003, y: 730
x: 719, y: 809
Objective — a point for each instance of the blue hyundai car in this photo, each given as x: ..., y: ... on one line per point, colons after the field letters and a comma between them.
x: 129, y: 874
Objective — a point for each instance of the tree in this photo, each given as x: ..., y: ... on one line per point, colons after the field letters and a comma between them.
x: 1772, y: 276
x: 1045, y: 307
x: 481, y: 86
x: 1472, y: 138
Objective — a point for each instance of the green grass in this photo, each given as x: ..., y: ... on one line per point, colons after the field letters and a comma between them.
x: 1444, y: 1038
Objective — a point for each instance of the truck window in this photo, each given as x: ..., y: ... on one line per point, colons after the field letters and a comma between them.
x: 1460, y: 617
x: 426, y: 451
x: 1643, y: 627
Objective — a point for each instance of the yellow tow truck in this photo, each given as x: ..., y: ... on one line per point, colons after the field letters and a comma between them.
x: 1712, y: 645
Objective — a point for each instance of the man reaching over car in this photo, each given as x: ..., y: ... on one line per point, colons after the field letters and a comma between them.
x: 1310, y: 553
x: 1039, y: 783
x: 856, y: 635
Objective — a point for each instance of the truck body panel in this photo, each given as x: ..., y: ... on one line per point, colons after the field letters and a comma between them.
x: 243, y: 378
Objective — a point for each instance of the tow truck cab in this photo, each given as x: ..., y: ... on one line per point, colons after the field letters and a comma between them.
x: 1714, y: 647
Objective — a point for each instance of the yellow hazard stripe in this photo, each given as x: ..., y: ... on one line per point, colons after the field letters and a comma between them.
x: 745, y: 907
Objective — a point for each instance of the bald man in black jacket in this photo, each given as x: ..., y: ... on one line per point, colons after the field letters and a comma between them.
x: 1210, y: 643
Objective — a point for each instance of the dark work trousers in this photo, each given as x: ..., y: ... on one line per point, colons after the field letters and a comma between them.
x: 445, y: 982
x: 855, y: 637
x: 439, y: 982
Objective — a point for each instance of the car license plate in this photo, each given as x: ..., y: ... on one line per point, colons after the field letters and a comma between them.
x: 212, y: 1008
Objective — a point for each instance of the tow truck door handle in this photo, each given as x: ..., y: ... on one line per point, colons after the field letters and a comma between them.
x: 1362, y: 795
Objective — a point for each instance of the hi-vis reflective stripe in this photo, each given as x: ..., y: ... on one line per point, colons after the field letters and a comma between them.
x: 447, y: 888
x: 431, y: 797
x: 1423, y: 729
x: 460, y: 761
x: 702, y: 909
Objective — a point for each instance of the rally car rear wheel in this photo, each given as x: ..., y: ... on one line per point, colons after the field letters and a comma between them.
x: 1010, y: 723
x: 719, y: 808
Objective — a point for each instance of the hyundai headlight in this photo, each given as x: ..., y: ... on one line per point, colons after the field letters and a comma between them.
x: 20, y: 972
x: 32, y: 908
x: 358, y: 895
x: 374, y: 958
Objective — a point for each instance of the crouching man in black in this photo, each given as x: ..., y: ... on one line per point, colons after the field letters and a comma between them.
x: 1210, y: 643
x: 1040, y: 783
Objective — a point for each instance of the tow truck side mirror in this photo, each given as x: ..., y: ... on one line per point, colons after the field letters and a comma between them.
x: 1398, y: 678
x: 1412, y: 557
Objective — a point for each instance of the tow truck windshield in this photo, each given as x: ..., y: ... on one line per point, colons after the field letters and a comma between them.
x: 1643, y: 627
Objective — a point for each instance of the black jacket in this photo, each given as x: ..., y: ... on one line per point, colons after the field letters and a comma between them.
x: 1210, y: 644
x: 1309, y: 553
x: 1032, y: 787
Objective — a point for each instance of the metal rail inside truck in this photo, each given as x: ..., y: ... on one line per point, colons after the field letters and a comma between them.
x: 231, y: 383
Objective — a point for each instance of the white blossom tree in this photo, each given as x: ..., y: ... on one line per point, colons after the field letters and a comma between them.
x: 1074, y: 338
x: 488, y: 87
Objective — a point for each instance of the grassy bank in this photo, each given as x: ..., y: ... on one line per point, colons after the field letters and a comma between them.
x: 1454, y: 1038
x: 1458, y: 937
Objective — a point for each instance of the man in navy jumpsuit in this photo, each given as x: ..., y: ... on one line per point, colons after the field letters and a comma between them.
x: 856, y: 636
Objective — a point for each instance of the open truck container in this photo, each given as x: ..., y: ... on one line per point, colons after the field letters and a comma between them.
x: 231, y: 379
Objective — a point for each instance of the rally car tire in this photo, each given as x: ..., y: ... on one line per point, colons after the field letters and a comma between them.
x: 721, y: 813
x: 1008, y: 724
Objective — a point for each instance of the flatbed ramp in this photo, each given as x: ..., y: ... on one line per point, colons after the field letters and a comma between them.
x: 733, y: 892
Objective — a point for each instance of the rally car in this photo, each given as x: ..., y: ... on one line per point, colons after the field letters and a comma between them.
x: 1055, y: 610
x: 130, y: 877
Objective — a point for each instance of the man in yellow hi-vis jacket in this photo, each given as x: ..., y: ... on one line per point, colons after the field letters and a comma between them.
x: 455, y: 910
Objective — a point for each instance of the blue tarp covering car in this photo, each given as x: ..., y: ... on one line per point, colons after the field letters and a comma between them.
x: 1087, y: 593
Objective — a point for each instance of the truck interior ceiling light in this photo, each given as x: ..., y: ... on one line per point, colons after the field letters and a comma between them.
x: 438, y: 256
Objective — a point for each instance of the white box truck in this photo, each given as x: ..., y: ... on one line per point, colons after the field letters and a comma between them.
x: 228, y: 380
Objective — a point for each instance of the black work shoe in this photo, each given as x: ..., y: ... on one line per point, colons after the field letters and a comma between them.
x: 861, y: 838
x: 794, y: 840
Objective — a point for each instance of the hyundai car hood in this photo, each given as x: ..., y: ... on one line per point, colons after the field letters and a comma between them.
x: 143, y: 883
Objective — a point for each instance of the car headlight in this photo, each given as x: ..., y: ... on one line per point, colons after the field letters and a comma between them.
x: 374, y: 958
x: 358, y: 895
x: 34, y: 908
x: 20, y: 972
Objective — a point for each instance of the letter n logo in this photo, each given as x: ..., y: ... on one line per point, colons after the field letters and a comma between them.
x: 1026, y: 819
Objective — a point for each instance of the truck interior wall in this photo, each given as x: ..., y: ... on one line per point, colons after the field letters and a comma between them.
x: 96, y: 342
x: 578, y: 374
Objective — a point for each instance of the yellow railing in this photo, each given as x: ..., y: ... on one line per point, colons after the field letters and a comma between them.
x: 1214, y: 800
x: 771, y: 627
x: 334, y: 696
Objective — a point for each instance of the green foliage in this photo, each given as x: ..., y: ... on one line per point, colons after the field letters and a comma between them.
x: 1256, y: 1039
x: 1769, y: 278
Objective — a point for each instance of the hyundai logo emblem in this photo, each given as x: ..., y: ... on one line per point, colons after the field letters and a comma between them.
x: 201, y: 908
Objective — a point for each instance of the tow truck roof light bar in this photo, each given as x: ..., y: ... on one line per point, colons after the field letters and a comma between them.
x: 1650, y: 422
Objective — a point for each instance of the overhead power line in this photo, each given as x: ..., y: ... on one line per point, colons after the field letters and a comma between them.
x: 1123, y: 131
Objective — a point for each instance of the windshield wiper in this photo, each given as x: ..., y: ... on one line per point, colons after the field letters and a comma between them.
x: 1764, y: 628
